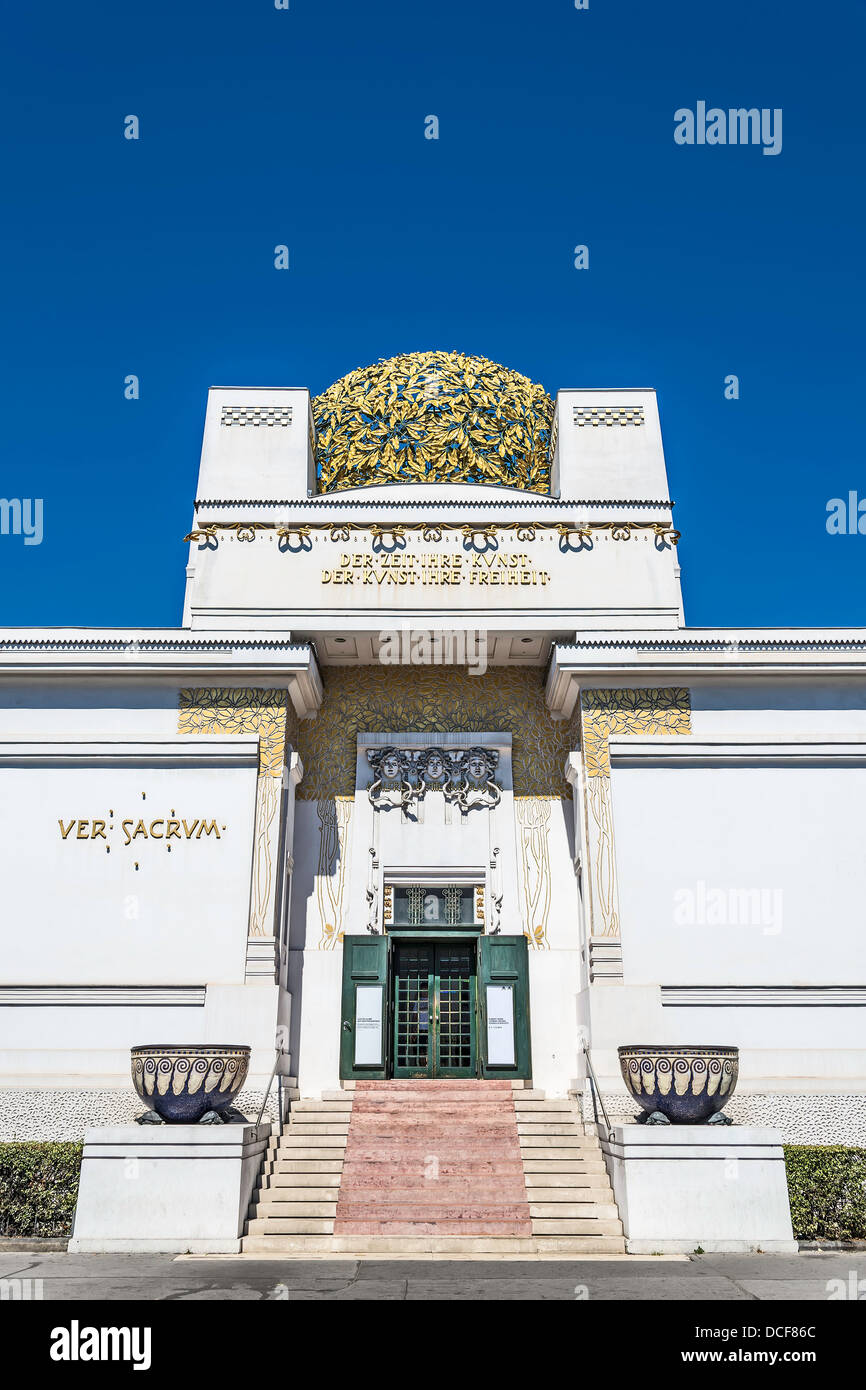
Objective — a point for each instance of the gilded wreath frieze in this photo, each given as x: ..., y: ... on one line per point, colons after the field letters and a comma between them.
x: 242, y: 710
x: 654, y: 711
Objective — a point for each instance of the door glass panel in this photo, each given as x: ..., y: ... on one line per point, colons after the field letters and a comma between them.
x: 434, y: 1010
x: 456, y: 975
x: 412, y: 989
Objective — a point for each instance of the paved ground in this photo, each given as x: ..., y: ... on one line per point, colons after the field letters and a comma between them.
x: 703, y: 1278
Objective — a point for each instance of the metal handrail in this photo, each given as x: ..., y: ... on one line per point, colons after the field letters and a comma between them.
x: 269, y: 1085
x: 593, y: 1081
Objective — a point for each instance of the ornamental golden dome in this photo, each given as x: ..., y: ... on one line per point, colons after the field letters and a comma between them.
x: 433, y: 417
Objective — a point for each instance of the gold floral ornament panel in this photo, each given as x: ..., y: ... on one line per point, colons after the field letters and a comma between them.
x: 244, y: 710
x: 443, y: 699
x: 606, y: 712
x: 429, y: 417
x: 533, y: 843
x: 334, y: 821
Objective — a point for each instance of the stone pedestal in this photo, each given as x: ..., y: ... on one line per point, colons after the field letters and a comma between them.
x: 174, y: 1188
x: 680, y: 1187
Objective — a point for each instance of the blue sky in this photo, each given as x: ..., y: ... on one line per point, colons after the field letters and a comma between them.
x: 306, y: 127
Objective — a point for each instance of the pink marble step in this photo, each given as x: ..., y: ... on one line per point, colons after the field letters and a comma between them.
x: 421, y: 1154
x: 466, y: 1131
x: 371, y: 1171
x: 381, y: 1210
x: 414, y: 1126
x: 382, y: 1108
x: 464, y: 1227
x: 503, y: 1192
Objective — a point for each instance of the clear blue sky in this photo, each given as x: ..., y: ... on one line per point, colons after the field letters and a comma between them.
x: 306, y: 127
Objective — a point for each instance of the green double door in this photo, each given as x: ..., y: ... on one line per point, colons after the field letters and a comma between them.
x: 434, y: 994
x: 427, y: 1008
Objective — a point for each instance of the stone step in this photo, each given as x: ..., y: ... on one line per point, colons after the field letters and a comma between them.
x: 319, y: 1119
x: 588, y: 1165
x: 579, y: 1211
x: 430, y: 1150
x: 324, y: 1126
x: 539, y: 1105
x: 315, y: 1153
x: 464, y: 1227
x: 292, y: 1210
x: 559, y: 1226
x: 415, y: 1211
x: 448, y: 1191
x: 323, y: 1141
x: 566, y: 1140
x: 290, y: 1226
x: 572, y: 1166
x: 554, y: 1129
x: 283, y: 1194
x: 467, y: 1112
x: 409, y: 1246
x: 286, y: 1166
x: 431, y: 1137
x: 553, y: 1123
x: 599, y: 1193
x: 376, y: 1171
x: 323, y: 1116
x: 314, y: 1107
x: 305, y: 1181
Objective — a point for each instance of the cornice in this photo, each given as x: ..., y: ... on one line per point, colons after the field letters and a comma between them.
x: 714, y: 654
x: 385, y: 504
x: 217, y: 658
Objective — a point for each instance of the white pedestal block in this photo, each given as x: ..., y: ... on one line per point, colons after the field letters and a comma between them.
x: 175, y: 1188
x: 683, y: 1186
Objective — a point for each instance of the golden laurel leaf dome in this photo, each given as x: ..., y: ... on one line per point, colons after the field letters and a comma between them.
x: 433, y: 417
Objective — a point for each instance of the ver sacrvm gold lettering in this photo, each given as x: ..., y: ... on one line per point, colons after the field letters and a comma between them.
x: 162, y: 828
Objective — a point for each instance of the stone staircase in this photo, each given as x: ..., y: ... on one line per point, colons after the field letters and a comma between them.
x: 567, y: 1186
x: 446, y: 1167
x: 433, y: 1158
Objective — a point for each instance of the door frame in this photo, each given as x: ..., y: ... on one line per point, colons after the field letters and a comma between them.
x: 501, y: 963
x: 434, y: 1071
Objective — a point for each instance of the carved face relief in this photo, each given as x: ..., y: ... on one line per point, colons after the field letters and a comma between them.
x: 455, y: 774
x: 435, y: 767
x: 477, y: 768
x: 391, y: 766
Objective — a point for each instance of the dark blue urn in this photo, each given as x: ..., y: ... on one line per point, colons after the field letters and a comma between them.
x: 685, y: 1084
x: 183, y: 1082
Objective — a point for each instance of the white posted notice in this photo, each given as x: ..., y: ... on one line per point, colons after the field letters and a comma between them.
x: 368, y: 1025
x: 500, y: 1026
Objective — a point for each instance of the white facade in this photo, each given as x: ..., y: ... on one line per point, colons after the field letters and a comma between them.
x: 188, y: 835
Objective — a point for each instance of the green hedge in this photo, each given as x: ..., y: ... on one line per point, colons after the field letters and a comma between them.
x: 827, y: 1191
x: 38, y: 1188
